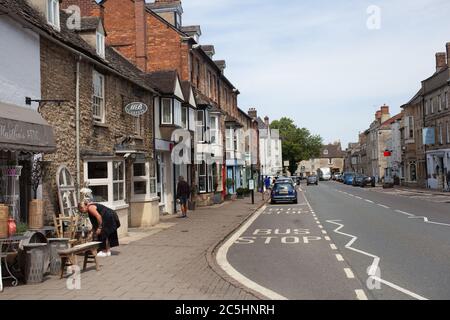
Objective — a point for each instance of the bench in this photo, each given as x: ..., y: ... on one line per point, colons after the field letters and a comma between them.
x: 69, y: 256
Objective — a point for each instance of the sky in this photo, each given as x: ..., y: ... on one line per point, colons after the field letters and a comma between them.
x: 318, y: 62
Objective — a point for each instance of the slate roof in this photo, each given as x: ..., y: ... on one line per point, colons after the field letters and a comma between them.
x: 164, y: 80
x: 163, y: 5
x: 89, y: 23
x: 334, y: 151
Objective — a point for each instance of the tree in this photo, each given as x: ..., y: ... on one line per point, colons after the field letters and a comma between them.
x: 298, y: 143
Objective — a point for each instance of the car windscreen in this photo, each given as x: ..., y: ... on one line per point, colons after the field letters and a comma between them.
x: 284, y: 187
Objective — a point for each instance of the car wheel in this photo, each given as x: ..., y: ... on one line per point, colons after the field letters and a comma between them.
x: 296, y: 201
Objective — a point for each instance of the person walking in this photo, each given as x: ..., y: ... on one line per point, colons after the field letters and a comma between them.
x: 105, y: 223
x: 183, y: 193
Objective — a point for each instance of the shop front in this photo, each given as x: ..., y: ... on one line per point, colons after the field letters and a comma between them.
x: 438, y: 164
x: 24, y: 137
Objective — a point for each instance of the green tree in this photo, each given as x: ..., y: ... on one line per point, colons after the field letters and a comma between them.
x: 298, y: 143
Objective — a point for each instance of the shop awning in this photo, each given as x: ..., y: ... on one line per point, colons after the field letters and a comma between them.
x: 23, y: 129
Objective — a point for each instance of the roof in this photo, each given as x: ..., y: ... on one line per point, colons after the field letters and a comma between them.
x: 410, y: 102
x: 19, y: 9
x: 164, y: 80
x: 89, y: 23
x: 245, y: 114
x: 261, y: 123
x: 390, y: 121
x: 191, y: 29
x: 333, y: 150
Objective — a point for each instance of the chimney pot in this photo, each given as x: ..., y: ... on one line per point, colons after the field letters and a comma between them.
x: 252, y: 112
x: 448, y: 53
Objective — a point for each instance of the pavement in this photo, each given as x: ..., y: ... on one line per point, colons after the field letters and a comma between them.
x: 171, y: 261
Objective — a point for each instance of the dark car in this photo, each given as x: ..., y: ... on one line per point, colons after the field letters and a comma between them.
x: 358, y: 180
x: 283, y: 192
x: 368, y: 182
x: 312, y: 180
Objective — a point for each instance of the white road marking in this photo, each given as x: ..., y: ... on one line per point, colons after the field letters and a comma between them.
x: 327, y: 238
x: 333, y: 246
x: 221, y: 259
x: 320, y: 226
x: 361, y: 295
x: 349, y: 273
x: 318, y: 222
x: 324, y: 232
x: 370, y: 201
x: 359, y: 198
x: 339, y: 257
x: 376, y: 260
x: 383, y: 206
x: 403, y: 212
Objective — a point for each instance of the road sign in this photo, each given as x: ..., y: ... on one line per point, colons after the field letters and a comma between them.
x: 251, y: 184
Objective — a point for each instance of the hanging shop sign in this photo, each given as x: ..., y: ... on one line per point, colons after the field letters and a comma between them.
x: 136, y: 109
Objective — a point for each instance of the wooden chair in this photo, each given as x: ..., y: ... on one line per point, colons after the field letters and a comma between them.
x: 69, y: 256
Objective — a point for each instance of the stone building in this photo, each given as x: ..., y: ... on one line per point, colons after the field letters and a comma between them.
x: 331, y: 156
x: 98, y: 139
x: 152, y: 36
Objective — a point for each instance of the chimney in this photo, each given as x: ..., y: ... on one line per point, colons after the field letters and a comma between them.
x: 441, y: 61
x: 252, y: 113
x: 448, y: 53
x: 266, y: 121
x: 169, y: 10
x: 209, y: 50
x: 88, y: 8
x: 378, y: 115
x: 141, y: 34
x: 221, y: 64
x: 385, y: 113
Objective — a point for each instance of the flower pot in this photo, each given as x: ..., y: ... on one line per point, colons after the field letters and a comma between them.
x: 36, y: 214
x: 4, y: 213
x: 12, y: 227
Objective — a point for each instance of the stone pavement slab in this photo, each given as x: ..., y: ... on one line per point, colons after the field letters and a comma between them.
x: 172, y: 262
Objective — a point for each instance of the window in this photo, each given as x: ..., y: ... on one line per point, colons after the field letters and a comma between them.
x: 191, y: 119
x: 118, y: 181
x: 427, y: 107
x: 447, y: 132
x: 409, y: 128
x: 198, y: 73
x: 325, y: 152
x: 177, y: 113
x: 200, y: 125
x: 202, y: 187
x: 214, y: 130
x: 53, y: 13
x: 440, y: 104
x: 446, y: 100
x: 210, y: 178
x: 100, y: 42
x: 440, y: 133
x: 106, y: 180
x: 98, y: 98
x: 144, y: 180
x: 229, y: 139
x: 184, y: 117
x: 208, y: 84
x: 166, y: 113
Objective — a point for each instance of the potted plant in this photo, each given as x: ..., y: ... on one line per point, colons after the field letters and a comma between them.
x: 36, y: 206
x: 192, y: 204
x: 240, y: 193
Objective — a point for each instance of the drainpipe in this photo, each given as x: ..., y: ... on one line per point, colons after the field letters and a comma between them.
x: 77, y: 120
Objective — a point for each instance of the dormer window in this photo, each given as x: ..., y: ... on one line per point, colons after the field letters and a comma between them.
x: 177, y: 20
x: 53, y: 13
x: 100, y: 44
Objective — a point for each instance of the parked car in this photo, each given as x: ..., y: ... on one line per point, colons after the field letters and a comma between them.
x: 348, y: 178
x: 312, y: 180
x: 368, y: 182
x: 283, y: 192
x: 336, y: 176
x: 358, y: 180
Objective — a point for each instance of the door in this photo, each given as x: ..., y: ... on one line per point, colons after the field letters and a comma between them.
x: 161, y: 180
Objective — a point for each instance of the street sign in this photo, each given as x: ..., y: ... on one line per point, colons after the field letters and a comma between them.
x: 251, y: 184
x: 136, y: 109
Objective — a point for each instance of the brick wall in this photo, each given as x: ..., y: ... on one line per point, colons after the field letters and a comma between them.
x: 58, y: 68
x: 87, y: 7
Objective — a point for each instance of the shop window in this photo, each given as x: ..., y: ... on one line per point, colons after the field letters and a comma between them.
x: 106, y: 180
x: 202, y: 177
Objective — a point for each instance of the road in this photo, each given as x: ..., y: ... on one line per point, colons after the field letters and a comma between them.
x: 344, y: 242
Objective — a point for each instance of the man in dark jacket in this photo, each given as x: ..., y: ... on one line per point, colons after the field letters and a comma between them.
x: 183, y: 193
